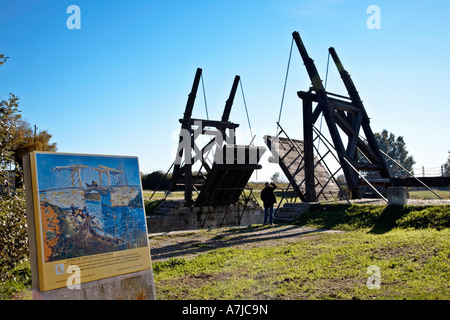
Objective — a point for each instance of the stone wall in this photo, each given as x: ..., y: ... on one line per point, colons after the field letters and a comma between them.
x: 192, y: 218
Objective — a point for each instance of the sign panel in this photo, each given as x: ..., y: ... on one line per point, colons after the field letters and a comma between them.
x: 89, y: 218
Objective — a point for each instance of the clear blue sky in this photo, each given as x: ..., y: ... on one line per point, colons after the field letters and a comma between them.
x: 120, y: 83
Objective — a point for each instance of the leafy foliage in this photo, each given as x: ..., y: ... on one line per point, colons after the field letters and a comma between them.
x: 2, y: 59
x: 13, y: 224
x: 156, y: 180
x: 26, y: 140
x: 9, y: 115
x: 396, y: 149
x: 16, y: 140
x: 447, y: 166
x: 13, y: 235
x: 275, y: 178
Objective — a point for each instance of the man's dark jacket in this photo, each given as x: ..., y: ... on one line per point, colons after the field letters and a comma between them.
x: 267, y: 195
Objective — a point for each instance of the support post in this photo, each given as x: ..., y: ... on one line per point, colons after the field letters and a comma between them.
x: 188, y: 186
x: 229, y: 102
x: 310, y: 191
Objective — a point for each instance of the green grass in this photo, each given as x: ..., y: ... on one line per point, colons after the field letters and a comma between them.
x: 18, y: 285
x: 376, y: 218
x: 428, y: 195
x: 413, y: 264
x: 151, y: 205
x: 410, y: 246
x: 161, y: 195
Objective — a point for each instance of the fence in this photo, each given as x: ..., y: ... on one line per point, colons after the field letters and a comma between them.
x: 430, y: 171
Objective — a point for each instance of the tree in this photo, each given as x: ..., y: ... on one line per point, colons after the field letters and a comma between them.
x: 17, y: 138
x: 2, y: 59
x: 341, y: 181
x: 13, y: 228
x: 446, y: 166
x: 27, y: 140
x: 275, y: 178
x: 396, y: 149
x: 9, y: 115
x: 156, y: 180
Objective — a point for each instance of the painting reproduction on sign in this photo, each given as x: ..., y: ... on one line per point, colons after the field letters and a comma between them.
x: 89, y: 212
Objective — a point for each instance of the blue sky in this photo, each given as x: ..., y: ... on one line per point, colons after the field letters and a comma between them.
x: 120, y: 83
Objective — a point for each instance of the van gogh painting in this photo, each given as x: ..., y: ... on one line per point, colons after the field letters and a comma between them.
x: 89, y: 204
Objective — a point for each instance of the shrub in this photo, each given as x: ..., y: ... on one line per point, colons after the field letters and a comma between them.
x: 13, y: 235
x: 156, y: 180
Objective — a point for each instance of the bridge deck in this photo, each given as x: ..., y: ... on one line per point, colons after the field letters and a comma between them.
x: 228, y: 178
x: 290, y: 155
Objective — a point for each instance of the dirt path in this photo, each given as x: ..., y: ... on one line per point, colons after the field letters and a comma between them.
x: 188, y: 244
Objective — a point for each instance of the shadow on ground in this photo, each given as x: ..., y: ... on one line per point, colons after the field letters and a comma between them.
x: 173, y: 246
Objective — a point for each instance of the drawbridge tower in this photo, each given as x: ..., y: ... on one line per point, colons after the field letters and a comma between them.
x: 347, y: 122
x: 346, y: 113
x: 227, y: 174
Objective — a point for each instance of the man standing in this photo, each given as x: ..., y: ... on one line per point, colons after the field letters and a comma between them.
x: 268, y: 199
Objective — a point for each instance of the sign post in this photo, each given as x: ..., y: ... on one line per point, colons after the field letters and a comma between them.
x: 87, y: 227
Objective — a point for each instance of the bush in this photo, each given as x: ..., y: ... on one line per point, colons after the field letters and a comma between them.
x: 156, y: 180
x: 13, y: 235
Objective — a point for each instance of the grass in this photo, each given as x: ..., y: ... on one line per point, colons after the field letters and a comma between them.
x: 410, y: 246
x: 332, y: 267
x: 376, y: 218
x: 428, y: 195
x: 19, y: 283
x: 161, y: 195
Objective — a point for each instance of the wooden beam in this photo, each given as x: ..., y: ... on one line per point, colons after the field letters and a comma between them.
x: 210, y: 123
x: 229, y: 103
x: 310, y: 191
x: 357, y: 102
x: 434, y: 182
